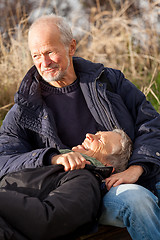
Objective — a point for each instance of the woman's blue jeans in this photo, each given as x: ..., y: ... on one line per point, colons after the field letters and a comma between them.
x: 133, y: 207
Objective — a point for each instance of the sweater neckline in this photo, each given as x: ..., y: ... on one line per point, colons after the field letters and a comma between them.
x: 47, y: 88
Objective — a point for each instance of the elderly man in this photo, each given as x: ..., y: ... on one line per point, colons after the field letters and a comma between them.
x: 62, y: 98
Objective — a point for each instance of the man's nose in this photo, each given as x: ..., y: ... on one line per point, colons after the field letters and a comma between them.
x: 46, y: 61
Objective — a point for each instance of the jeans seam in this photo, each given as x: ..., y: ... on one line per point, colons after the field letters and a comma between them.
x: 128, y: 223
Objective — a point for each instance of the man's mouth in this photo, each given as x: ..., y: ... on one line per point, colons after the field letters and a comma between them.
x: 49, y: 70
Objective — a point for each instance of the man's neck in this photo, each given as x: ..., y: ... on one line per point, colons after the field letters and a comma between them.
x: 67, y: 80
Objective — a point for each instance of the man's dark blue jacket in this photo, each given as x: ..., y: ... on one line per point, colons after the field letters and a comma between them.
x: 28, y: 134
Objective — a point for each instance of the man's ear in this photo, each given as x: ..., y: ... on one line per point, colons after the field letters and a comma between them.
x: 72, y: 47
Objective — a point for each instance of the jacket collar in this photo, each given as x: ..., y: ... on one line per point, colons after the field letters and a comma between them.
x: 29, y: 93
x: 87, y: 69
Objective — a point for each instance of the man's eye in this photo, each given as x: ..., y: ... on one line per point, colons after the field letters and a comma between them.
x: 35, y: 56
x: 51, y: 53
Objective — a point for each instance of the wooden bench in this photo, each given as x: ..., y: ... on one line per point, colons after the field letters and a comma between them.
x: 108, y: 233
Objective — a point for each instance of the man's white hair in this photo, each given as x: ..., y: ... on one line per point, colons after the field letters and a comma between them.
x: 60, y: 22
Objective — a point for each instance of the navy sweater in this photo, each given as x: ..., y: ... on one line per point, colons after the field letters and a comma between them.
x: 72, y: 116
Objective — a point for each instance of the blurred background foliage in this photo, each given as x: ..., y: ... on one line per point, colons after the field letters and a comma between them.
x: 121, y: 34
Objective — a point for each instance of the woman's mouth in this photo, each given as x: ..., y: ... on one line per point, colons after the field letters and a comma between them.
x: 85, y: 146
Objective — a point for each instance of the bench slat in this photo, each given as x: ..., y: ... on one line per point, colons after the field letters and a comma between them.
x: 108, y: 233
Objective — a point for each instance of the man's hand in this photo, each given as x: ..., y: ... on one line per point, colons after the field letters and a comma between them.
x: 130, y: 175
x: 70, y: 161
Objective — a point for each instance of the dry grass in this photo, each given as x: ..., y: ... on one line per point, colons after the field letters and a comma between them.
x: 112, y: 39
x: 131, y: 46
x: 15, y: 60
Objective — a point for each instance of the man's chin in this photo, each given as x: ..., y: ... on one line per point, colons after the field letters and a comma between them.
x: 50, y: 79
x: 54, y: 78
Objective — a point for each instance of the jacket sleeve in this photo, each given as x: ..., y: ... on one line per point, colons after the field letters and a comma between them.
x: 146, y: 150
x: 16, y: 152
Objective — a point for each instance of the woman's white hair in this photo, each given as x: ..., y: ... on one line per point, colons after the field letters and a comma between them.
x: 119, y: 158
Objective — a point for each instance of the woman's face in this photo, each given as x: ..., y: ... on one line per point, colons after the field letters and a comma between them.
x: 101, y: 144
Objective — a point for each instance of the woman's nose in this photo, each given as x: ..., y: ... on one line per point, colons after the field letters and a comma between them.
x: 90, y: 136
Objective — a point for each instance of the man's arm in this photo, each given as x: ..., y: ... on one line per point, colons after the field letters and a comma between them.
x: 130, y: 175
x: 147, y: 124
x: 16, y: 150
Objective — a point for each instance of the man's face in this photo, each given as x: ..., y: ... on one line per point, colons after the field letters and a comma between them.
x: 50, y: 56
x: 101, y: 144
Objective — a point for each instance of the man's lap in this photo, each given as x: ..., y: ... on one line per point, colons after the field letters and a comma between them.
x: 133, y: 207
x: 126, y: 196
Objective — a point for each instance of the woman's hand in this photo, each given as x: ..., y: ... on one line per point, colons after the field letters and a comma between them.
x: 70, y: 161
x: 130, y: 175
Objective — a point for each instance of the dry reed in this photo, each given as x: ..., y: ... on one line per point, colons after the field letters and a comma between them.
x: 15, y: 60
x: 112, y: 41
x: 117, y: 41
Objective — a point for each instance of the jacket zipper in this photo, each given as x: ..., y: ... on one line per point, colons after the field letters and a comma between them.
x: 108, y: 123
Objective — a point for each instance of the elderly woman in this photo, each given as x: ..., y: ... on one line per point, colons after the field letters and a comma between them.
x: 110, y: 148
x: 48, y: 202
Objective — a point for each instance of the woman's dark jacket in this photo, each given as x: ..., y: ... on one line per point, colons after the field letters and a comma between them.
x: 28, y: 134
